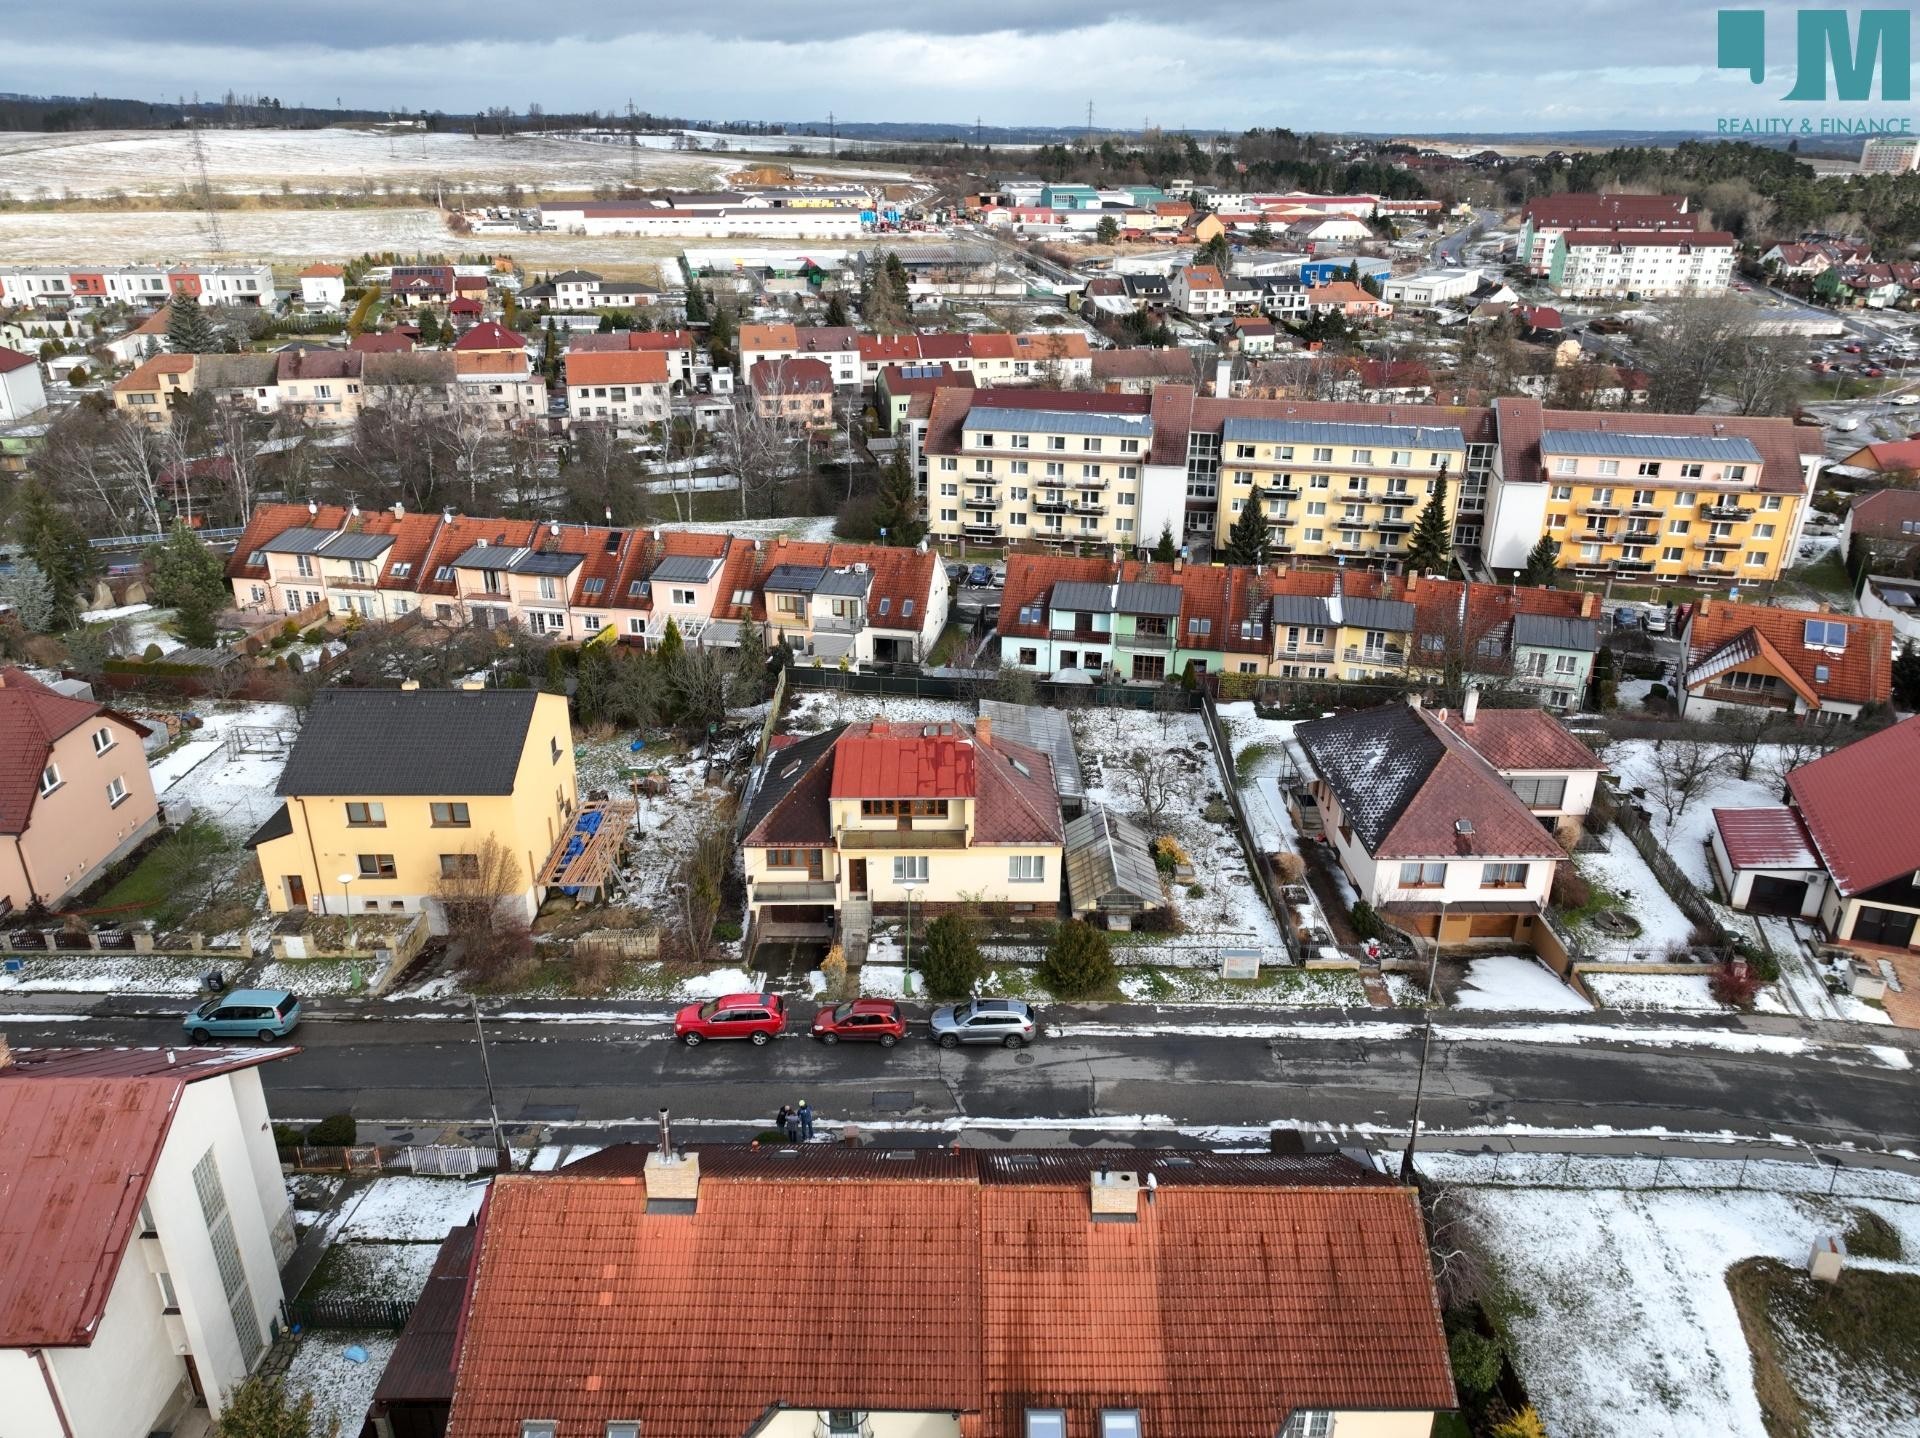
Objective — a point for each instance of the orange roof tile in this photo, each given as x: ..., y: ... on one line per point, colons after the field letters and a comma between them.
x: 1861, y: 673
x: 616, y: 367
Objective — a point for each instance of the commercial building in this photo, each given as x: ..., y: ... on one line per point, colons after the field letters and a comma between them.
x: 1890, y: 155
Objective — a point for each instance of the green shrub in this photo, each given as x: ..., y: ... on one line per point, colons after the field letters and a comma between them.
x: 725, y: 930
x: 336, y: 1130
x: 315, y: 635
x: 1366, y: 923
x: 287, y: 1135
x: 951, y: 961
x: 1078, y: 962
x: 1476, y: 1361
x: 1196, y: 891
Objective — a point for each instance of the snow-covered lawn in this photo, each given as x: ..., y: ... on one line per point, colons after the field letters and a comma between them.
x: 1624, y: 871
x: 373, y: 1270
x: 808, y: 528
x: 1624, y: 1322
x: 823, y: 708
x: 665, y: 826
x: 1633, y: 763
x: 1507, y: 982
x: 1685, y: 993
x: 342, y: 1389
x: 108, y: 974
x: 236, y: 792
x: 405, y: 1209
x: 314, y: 978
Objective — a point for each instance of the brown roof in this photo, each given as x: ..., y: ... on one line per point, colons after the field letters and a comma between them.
x: 1142, y: 364
x: 586, y: 1308
x: 382, y: 342
x: 490, y: 336
x: 1881, y: 514
x: 1588, y: 211
x: 322, y: 272
x: 320, y: 364
x: 147, y: 376
x: 1781, y: 442
x: 32, y: 719
x: 1773, y: 837
x: 1621, y: 239
x: 1523, y: 739
x: 1720, y: 636
x: 1858, y: 804
x: 791, y: 376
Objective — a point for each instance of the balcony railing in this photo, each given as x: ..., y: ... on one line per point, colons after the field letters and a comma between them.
x: 1607, y: 510
x: 1388, y: 654
x: 1755, y: 698
x: 1139, y: 640
x: 1320, y: 654
x: 839, y: 624
x: 1050, y: 506
x: 1088, y: 506
x: 979, y: 529
x: 1709, y: 541
x: 1725, y: 511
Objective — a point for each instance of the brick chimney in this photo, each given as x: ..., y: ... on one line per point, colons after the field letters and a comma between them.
x: 1706, y: 604
x: 673, y: 1178
x: 1115, y: 1195
x: 983, y: 731
x: 1589, y: 603
x: 1470, y: 710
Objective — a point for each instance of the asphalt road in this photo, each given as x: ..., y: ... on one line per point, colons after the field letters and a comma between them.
x: 587, y: 1077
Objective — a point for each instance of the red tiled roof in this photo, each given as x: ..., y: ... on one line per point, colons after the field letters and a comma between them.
x: 899, y: 382
x: 1648, y: 239
x: 11, y: 360
x: 1769, y: 838
x: 80, y: 1134
x: 1897, y: 454
x: 322, y: 272
x: 1858, y: 804
x: 1171, y: 363
x: 1781, y: 442
x: 616, y: 367
x: 1462, y: 784
x: 1016, y: 807
x: 1588, y: 210
x: 585, y: 1308
x: 878, y: 761
x: 1862, y: 673
x: 791, y: 376
x: 1523, y: 739
x: 384, y: 342
x: 889, y: 349
x: 32, y: 718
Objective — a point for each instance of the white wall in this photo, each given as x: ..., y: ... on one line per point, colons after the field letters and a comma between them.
x: 23, y: 1397
x: 119, y: 1386
x: 1516, y: 518
x: 1163, y: 501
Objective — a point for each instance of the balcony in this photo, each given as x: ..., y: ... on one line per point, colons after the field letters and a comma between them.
x: 1752, y: 698
x: 1713, y: 572
x: 1646, y: 511
x: 1088, y: 506
x: 1141, y: 640
x: 782, y: 891
x: 839, y: 624
x: 1394, y: 526
x: 1388, y: 654
x: 1089, y: 484
x: 1725, y: 511
x: 1605, y: 511
x: 1324, y: 654
x: 1280, y: 491
x: 1711, y: 541
x: 1084, y: 633
x: 1633, y: 566
x: 1355, y: 551
x: 855, y: 839
x: 980, y: 529
x: 1050, y: 506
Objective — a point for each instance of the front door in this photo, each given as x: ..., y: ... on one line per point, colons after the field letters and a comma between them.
x: 857, y: 877
x: 296, y: 892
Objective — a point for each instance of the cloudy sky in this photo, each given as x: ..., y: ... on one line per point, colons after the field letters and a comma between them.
x: 1388, y: 65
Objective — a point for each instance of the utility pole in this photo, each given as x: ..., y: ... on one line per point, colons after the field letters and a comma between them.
x: 1089, y: 124
x: 831, y: 150
x: 505, y: 1156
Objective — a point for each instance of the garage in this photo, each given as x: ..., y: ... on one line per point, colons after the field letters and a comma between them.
x: 1892, y: 927
x: 1773, y: 895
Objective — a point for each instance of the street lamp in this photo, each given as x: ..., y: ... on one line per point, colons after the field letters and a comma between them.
x: 1463, y: 831
x: 906, y: 981
x: 346, y: 902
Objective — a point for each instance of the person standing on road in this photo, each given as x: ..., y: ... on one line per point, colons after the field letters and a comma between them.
x: 783, y: 1119
x: 805, y: 1114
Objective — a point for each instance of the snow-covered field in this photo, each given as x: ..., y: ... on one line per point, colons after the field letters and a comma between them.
x: 158, y: 162
x: 108, y: 974
x: 811, y: 529
x: 405, y: 1209
x: 1685, y: 993
x: 1625, y: 872
x: 235, y: 793
x: 1628, y: 1324
x: 1507, y: 982
x: 342, y: 1388
x: 666, y: 826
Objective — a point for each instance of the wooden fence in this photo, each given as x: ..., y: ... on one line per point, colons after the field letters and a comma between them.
x: 1222, y: 746
x: 304, y: 1313
x: 1678, y: 886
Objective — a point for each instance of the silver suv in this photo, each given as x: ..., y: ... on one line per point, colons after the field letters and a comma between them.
x: 984, y: 1021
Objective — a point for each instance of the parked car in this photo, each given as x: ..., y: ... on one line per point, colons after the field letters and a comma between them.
x: 264, y: 1014
x: 957, y: 573
x: 980, y: 576
x: 1626, y: 617
x: 1008, y: 1022
x: 863, y: 1020
x: 758, y: 1017
x: 1656, y: 620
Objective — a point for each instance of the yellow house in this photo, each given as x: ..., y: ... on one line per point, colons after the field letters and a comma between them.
x: 390, y: 790
x: 1703, y: 507
x: 852, y: 821
x: 1333, y: 489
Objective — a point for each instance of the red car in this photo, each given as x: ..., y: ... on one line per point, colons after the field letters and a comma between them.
x: 873, y: 1019
x: 736, y: 1016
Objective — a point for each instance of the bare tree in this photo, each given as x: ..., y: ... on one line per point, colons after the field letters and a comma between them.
x: 478, y: 891
x: 1799, y: 745
x: 758, y: 450
x: 1708, y: 344
x: 1683, y: 772
x: 1744, y: 733
x: 235, y: 427
x: 1150, y: 777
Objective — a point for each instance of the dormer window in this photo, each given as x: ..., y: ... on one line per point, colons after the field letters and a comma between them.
x: 1309, y: 1423
x: 443, y: 575
x: 401, y: 571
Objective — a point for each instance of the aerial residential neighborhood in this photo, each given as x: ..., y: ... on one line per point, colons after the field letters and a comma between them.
x: 1243, y: 766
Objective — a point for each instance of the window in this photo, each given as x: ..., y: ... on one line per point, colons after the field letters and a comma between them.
x: 903, y: 808
x: 1736, y: 471
x: 1363, y: 456
x: 1673, y: 555
x: 1756, y: 557
x: 1821, y: 674
x: 1502, y: 876
x: 1609, y: 467
x: 1565, y: 466
x: 910, y: 869
x: 1027, y: 869
x: 1422, y: 876
x: 1119, y: 1423
x: 376, y: 866
x: 1563, y: 491
x: 1772, y: 501
x: 1323, y: 455
x: 102, y: 739
x: 1199, y: 627
x: 1826, y: 634
x: 459, y: 866
x: 537, y: 1428
x: 1539, y: 791
x: 845, y: 1422
x: 1046, y: 1423
x: 116, y: 791
x: 367, y: 816
x: 1309, y: 1423
x: 1401, y: 459
x: 1685, y: 499
x: 949, y: 462
x: 1679, y: 526
x: 618, y: 1429
x: 1651, y: 469
x: 450, y: 816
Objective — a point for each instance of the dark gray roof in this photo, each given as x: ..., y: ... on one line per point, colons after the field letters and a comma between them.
x: 784, y: 770
x: 1553, y: 631
x: 1375, y: 761
x: 686, y: 568
x: 1610, y: 442
x: 553, y: 561
x: 350, y: 545
x: 1394, y: 615
x: 794, y: 578
x: 1138, y: 598
x: 278, y: 826
x: 1302, y: 431
x: 1053, y: 421
x: 487, y: 556
x: 394, y: 741
x: 1082, y: 597
x: 297, y: 541
x: 845, y: 582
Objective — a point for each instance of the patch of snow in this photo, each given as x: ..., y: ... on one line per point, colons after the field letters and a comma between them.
x: 1506, y: 982
x: 1685, y: 993
x: 719, y: 982
x: 342, y: 1389
x: 108, y: 974
x: 1663, y: 926
x: 107, y: 616
x: 405, y: 1208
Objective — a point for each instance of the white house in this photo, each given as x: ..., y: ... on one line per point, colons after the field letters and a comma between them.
x: 141, y: 1241
x: 1200, y: 290
x: 21, y: 392
x: 323, y: 287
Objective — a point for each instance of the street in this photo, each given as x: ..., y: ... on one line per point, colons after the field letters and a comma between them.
x: 585, y: 1072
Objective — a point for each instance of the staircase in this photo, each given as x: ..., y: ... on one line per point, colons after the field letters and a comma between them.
x: 856, y: 928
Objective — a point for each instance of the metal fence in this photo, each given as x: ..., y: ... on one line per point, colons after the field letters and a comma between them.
x: 1222, y: 747
x: 1818, y: 1175
x: 943, y: 686
x: 1678, y: 886
x: 305, y: 1313
x: 447, y: 1159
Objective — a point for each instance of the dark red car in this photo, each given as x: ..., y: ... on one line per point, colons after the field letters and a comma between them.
x: 875, y: 1020
x: 759, y: 1017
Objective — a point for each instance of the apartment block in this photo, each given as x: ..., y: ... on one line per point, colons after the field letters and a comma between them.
x: 1649, y: 264
x: 1544, y: 220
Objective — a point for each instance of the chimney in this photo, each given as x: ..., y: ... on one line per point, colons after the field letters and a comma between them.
x: 473, y: 685
x: 1414, y: 700
x: 983, y: 731
x: 1706, y: 604
x: 1470, y: 709
x: 1115, y: 1195
x: 1589, y: 602
x: 313, y: 508
x: 673, y: 1182
x: 399, y: 510
x: 410, y: 686
x: 1223, y: 379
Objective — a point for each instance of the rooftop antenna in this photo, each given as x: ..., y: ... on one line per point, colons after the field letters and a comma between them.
x: 666, y: 1135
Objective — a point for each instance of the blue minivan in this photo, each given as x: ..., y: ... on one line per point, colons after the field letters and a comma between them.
x: 264, y: 1014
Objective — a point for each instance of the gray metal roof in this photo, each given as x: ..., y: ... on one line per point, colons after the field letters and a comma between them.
x: 548, y: 562
x: 1138, y: 598
x: 297, y: 541
x: 1082, y: 597
x: 794, y: 578
x: 686, y: 568
x: 1394, y: 615
x: 1051, y: 421
x: 1553, y: 631
x: 1110, y: 865
x: 1384, y: 436
x: 1045, y: 730
x: 845, y: 582
x: 361, y: 545
x: 375, y: 742
x: 487, y: 556
x: 1610, y: 442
